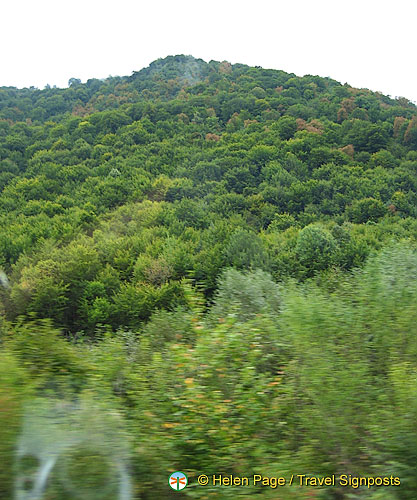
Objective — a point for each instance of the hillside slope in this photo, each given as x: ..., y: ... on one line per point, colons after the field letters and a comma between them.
x: 118, y: 189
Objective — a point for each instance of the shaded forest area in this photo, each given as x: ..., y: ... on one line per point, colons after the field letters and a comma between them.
x: 225, y: 257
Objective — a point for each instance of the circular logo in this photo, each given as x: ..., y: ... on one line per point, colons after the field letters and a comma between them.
x: 178, y: 480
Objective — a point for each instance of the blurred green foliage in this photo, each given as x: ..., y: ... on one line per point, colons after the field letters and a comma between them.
x: 296, y: 378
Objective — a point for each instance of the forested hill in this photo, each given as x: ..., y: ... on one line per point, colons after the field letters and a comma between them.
x: 207, y: 268
x: 114, y: 190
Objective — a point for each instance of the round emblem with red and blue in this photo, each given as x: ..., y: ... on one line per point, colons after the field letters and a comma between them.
x: 178, y: 480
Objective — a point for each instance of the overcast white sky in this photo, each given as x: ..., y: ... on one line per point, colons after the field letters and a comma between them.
x: 367, y: 43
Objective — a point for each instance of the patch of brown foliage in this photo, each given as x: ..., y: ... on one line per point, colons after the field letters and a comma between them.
x: 314, y: 126
x: 212, y: 137
x: 348, y: 150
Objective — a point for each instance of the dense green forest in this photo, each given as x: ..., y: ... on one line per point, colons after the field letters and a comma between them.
x: 223, y: 258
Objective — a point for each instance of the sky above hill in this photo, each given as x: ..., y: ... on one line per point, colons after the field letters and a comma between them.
x: 364, y: 43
